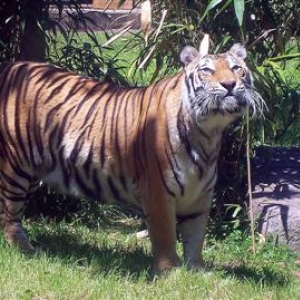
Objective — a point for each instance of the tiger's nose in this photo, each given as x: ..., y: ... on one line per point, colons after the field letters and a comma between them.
x: 228, y: 84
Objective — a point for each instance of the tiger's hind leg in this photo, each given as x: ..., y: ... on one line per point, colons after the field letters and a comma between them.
x: 13, y: 200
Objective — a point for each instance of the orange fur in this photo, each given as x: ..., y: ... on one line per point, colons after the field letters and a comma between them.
x: 155, y: 147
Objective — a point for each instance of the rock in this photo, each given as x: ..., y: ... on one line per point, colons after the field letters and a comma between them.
x: 276, y: 193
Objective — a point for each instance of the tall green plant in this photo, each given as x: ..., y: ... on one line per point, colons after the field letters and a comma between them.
x: 278, y: 80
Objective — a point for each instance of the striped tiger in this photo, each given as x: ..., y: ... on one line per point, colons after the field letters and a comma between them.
x: 155, y: 147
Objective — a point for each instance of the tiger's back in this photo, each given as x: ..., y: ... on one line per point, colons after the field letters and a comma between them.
x: 79, y: 133
x: 156, y: 146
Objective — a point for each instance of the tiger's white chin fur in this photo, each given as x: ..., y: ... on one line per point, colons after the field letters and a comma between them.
x: 231, y: 108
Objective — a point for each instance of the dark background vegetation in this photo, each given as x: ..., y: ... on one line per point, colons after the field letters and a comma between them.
x: 269, y: 29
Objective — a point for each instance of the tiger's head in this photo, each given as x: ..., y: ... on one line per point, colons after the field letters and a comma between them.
x: 219, y: 84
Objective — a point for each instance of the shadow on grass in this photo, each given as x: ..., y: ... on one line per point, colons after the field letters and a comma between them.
x: 104, y: 258
x: 263, y: 275
x: 131, y: 260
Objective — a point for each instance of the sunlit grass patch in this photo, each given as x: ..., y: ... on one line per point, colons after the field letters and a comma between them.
x: 86, y: 262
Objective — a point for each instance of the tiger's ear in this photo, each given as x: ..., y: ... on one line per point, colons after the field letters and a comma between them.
x: 188, y: 54
x: 239, y: 51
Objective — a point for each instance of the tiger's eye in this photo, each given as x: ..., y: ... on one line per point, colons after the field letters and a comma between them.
x: 236, y: 68
x: 207, y: 71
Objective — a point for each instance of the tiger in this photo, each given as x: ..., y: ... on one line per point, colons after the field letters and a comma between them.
x: 155, y: 146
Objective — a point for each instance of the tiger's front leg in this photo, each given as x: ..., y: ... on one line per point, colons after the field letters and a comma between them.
x: 161, y: 222
x: 192, y: 231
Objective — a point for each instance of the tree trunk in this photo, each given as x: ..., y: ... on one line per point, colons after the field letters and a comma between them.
x: 22, y: 30
x: 33, y: 42
x: 9, y: 29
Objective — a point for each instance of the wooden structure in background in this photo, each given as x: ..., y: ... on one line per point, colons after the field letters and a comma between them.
x: 109, y: 4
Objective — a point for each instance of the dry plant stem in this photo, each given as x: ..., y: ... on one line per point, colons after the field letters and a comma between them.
x: 250, y: 212
x: 118, y: 35
x: 156, y: 35
x: 146, y: 18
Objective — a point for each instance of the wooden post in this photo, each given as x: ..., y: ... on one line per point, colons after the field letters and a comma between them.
x: 112, y: 4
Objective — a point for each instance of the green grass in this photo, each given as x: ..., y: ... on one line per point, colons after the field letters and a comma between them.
x: 122, y: 55
x: 79, y: 262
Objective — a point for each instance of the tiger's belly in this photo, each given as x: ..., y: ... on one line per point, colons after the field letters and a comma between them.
x: 98, y: 185
x: 196, y: 196
x: 191, y: 185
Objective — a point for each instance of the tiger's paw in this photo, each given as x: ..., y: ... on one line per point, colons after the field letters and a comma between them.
x: 16, y: 237
x: 196, y: 265
x: 164, y: 265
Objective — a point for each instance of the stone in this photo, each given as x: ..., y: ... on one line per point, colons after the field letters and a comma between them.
x: 276, y: 193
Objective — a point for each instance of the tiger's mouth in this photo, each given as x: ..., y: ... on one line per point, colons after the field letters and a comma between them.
x: 228, y: 104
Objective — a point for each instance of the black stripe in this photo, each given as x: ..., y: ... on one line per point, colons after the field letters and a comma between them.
x: 18, y: 212
x: 113, y: 122
x: 52, y: 136
x: 10, y: 158
x: 36, y: 131
x: 29, y: 138
x: 114, y: 190
x: 123, y: 182
x: 94, y: 105
x: 12, y: 182
x: 87, y: 98
x: 17, y: 124
x: 5, y: 117
x: 208, y: 187
x: 144, y: 140
x: 65, y: 122
x: 125, y: 117
x: 182, y: 131
x: 77, y: 147
x: 204, y: 155
x: 104, y: 121
x: 75, y: 88
x: 97, y: 184
x: 139, y: 147
x: 174, y: 82
x: 176, y: 176
x: 64, y: 167
x: 172, y: 150
x: 163, y: 178
x: 87, y: 191
x: 203, y: 133
x: 6, y: 191
x: 88, y: 162
x: 16, y: 199
x: 47, y: 75
x: 103, y: 148
x: 51, y: 113
x: 116, y: 117
x: 56, y: 90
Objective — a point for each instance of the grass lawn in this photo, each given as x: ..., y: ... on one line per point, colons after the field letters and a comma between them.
x: 108, y: 262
